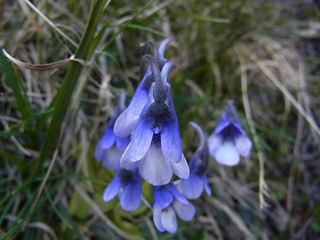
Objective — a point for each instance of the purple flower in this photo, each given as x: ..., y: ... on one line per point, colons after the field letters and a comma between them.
x: 229, y: 140
x: 110, y: 147
x: 155, y: 145
x: 127, y: 185
x: 193, y: 186
x: 167, y: 203
x: 127, y: 121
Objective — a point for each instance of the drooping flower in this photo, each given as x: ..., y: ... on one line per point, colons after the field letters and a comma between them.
x: 127, y: 185
x: 229, y: 141
x: 193, y: 186
x: 155, y: 146
x: 127, y: 121
x: 167, y: 203
x: 110, y: 147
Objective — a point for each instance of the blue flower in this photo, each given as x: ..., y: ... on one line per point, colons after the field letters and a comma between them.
x: 127, y: 121
x: 127, y: 185
x: 229, y: 141
x: 167, y: 203
x: 110, y: 147
x: 155, y: 145
x: 193, y: 187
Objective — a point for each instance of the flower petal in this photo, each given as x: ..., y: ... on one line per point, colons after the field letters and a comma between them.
x: 122, y: 143
x: 138, y: 101
x: 108, y: 138
x: 130, y: 197
x: 177, y: 194
x: 125, y: 161
x: 124, y: 126
x: 171, y: 141
x: 154, y: 168
x: 140, y: 140
x: 243, y: 144
x: 113, y: 188
x: 162, y: 197
x: 181, y: 169
x: 184, y: 211
x: 170, y: 136
x: 192, y: 187
x: 227, y: 154
x: 169, y: 220
x: 214, y: 142
x: 157, y: 219
x: 105, y: 143
x: 222, y: 124
x: 112, y: 158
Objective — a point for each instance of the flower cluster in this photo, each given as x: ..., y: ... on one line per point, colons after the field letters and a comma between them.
x: 143, y: 141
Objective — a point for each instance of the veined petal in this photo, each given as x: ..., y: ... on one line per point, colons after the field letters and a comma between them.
x: 124, y: 126
x: 112, y: 158
x: 177, y: 194
x: 237, y: 124
x: 171, y: 141
x: 162, y: 197
x: 125, y: 161
x: 243, y: 144
x: 113, y: 188
x: 214, y: 142
x: 185, y: 211
x: 157, y: 219
x: 154, y: 168
x: 192, y: 187
x: 138, y: 102
x: 170, y: 136
x: 206, y: 185
x: 140, y: 140
x: 181, y: 169
x: 169, y: 220
x: 130, y: 197
x: 122, y: 143
x: 227, y: 154
x: 222, y: 124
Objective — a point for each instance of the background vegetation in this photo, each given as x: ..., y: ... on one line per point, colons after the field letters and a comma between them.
x: 80, y: 54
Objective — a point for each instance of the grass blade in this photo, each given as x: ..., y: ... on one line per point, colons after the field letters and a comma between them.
x: 65, y: 93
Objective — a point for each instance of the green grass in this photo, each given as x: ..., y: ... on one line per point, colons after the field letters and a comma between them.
x: 55, y: 118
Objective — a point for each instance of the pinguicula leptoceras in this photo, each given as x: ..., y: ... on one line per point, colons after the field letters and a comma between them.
x: 193, y: 186
x: 167, y: 203
x: 155, y: 147
x: 229, y: 141
x: 110, y: 147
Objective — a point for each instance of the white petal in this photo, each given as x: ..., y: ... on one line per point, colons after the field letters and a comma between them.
x: 243, y: 144
x: 181, y: 168
x: 169, y: 220
x: 214, y: 142
x: 227, y: 154
x: 155, y: 168
x: 157, y: 219
x: 185, y: 211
